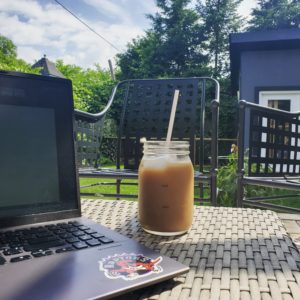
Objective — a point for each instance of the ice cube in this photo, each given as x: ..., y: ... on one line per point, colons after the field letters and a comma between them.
x: 155, y: 163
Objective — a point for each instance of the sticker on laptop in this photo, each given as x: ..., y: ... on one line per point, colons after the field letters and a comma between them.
x: 129, y: 266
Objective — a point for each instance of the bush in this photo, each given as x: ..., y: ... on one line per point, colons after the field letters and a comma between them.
x: 227, y: 181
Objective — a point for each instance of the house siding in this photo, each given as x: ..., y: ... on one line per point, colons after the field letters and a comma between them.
x: 271, y: 68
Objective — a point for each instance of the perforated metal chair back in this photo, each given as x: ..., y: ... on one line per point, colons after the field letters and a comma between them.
x: 269, y: 140
x: 88, y: 136
x: 274, y: 143
x: 146, y: 112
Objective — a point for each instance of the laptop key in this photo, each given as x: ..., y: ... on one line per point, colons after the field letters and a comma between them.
x: 105, y: 240
x: 72, y: 240
x: 12, y: 251
x: 78, y: 233
x: 85, y: 237
x: 75, y: 223
x: 97, y: 235
x: 42, y: 240
x: 38, y: 253
x: 66, y: 235
x: 44, y: 246
x: 41, y: 253
x: 59, y: 231
x: 65, y: 249
x: 83, y: 227
x: 4, y: 246
x: 20, y: 258
x: 80, y: 245
x: 2, y: 260
x: 43, y: 234
x: 72, y: 229
x: 90, y: 231
x: 93, y: 242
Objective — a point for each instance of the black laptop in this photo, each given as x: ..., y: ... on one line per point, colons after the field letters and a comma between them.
x: 47, y: 251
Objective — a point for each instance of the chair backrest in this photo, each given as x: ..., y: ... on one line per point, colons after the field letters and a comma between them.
x: 88, y: 136
x: 146, y: 110
x: 273, y: 140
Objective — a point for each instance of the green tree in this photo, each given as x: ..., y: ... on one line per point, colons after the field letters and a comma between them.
x: 220, y: 18
x: 228, y: 110
x: 172, y: 47
x: 7, y: 47
x: 9, y: 60
x: 91, y: 87
x: 141, y: 59
x: 275, y: 14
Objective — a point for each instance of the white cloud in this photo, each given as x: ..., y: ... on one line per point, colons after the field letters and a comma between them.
x: 30, y: 8
x: 39, y: 29
x: 30, y: 54
x: 109, y: 7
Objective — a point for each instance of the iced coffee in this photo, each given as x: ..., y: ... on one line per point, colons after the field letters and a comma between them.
x: 166, y: 188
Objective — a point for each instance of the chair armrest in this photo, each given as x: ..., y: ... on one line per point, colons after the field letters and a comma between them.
x: 79, y: 114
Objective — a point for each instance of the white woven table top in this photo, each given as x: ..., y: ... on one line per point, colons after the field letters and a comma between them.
x: 233, y: 253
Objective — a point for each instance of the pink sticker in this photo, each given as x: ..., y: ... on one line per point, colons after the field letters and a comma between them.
x: 129, y: 266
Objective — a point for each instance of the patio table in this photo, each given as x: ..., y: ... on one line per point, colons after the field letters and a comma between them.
x: 233, y: 253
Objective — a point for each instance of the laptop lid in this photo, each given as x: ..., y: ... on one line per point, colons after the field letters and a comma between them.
x: 38, y: 178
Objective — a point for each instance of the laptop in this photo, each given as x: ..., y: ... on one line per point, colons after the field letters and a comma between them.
x: 47, y: 250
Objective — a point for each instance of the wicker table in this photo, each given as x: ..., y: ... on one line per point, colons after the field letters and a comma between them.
x: 233, y: 253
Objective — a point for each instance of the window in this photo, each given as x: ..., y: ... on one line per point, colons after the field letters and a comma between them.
x: 284, y: 100
x: 284, y: 104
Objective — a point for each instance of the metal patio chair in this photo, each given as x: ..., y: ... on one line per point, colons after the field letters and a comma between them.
x: 268, y: 154
x: 145, y: 113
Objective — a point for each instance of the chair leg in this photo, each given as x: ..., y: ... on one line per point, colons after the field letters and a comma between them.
x: 240, y: 191
x: 213, y: 187
x: 118, y: 188
x: 201, y: 190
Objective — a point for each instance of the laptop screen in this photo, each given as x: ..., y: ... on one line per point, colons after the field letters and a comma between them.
x: 37, y: 170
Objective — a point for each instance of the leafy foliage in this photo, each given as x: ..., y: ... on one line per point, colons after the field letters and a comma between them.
x: 227, y: 181
x: 172, y: 47
x: 220, y: 18
x: 9, y: 60
x: 275, y: 14
x: 228, y: 110
x: 91, y: 91
x: 91, y: 87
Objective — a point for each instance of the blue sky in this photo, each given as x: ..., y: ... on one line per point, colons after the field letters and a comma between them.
x: 40, y: 27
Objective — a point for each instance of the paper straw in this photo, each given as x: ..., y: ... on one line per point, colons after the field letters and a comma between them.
x: 172, y: 116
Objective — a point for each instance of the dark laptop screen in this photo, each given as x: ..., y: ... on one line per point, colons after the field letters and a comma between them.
x: 37, y: 170
x: 30, y: 166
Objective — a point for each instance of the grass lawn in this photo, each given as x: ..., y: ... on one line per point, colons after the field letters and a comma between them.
x: 290, y: 202
x: 133, y: 189
x: 111, y: 189
x: 105, y: 188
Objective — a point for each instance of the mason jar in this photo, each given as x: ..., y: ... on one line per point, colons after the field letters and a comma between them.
x: 166, y: 188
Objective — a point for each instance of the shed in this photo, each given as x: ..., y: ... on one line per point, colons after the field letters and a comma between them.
x: 48, y: 68
x: 265, y: 67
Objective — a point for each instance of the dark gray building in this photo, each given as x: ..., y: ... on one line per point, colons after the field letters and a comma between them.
x: 265, y: 67
x: 48, y: 68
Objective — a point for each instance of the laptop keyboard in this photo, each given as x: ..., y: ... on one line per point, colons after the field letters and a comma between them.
x: 24, y: 244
